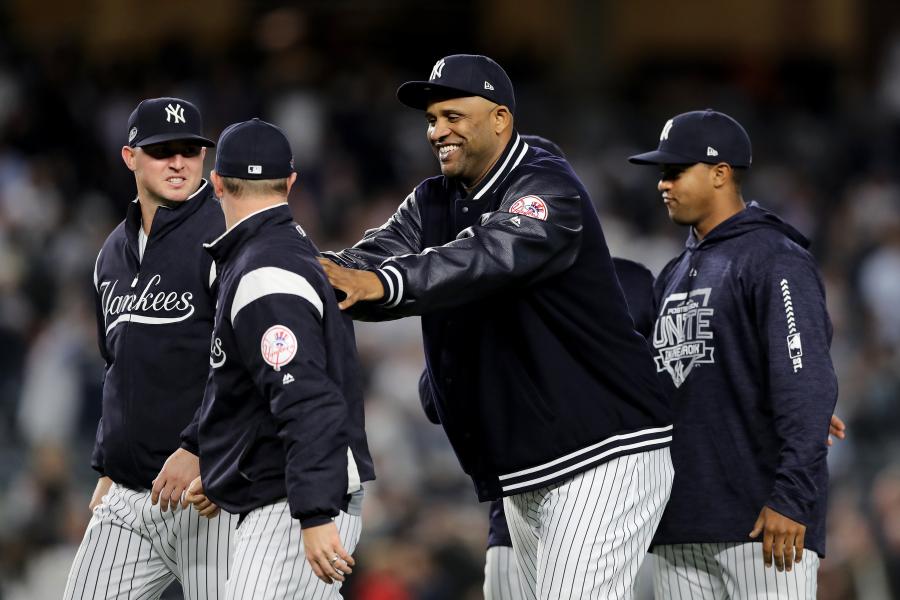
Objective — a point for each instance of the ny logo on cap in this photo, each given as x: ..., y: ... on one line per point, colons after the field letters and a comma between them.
x: 175, y: 112
x: 665, y: 132
x: 437, y: 70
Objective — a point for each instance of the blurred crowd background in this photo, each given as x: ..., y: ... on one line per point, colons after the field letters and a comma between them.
x: 815, y: 82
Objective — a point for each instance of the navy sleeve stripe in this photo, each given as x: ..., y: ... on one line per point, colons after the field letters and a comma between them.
x: 272, y: 280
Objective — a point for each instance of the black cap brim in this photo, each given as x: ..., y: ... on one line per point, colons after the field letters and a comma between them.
x: 656, y: 157
x: 419, y: 94
x: 172, y: 137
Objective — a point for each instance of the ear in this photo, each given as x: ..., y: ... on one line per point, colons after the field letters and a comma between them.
x: 502, y: 119
x: 218, y: 188
x: 291, y: 181
x: 721, y: 174
x: 128, y: 156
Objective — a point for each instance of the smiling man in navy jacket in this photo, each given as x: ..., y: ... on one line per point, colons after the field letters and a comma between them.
x: 541, y: 383
x: 742, y: 339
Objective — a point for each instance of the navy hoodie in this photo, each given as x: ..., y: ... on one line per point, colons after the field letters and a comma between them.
x: 742, y: 342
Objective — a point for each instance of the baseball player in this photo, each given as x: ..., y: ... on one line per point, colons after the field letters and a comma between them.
x: 154, y: 319
x: 544, y: 388
x: 742, y: 339
x: 501, y: 573
x: 280, y: 433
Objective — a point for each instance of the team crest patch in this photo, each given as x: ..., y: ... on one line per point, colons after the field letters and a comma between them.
x: 278, y: 346
x: 530, y: 206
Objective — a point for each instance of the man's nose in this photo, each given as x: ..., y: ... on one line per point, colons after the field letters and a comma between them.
x: 177, y: 162
x: 438, y: 131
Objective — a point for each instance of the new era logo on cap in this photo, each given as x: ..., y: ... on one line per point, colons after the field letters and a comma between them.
x: 710, y: 151
x: 488, y: 86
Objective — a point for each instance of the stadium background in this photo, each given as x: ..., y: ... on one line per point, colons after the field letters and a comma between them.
x: 815, y: 82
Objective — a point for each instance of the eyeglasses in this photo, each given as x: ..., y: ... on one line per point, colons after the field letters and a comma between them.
x: 170, y: 149
x: 673, y: 172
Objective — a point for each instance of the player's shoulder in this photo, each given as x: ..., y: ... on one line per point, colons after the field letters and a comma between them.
x: 542, y: 173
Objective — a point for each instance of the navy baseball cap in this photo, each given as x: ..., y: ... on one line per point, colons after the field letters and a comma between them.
x: 460, y: 75
x: 700, y: 136
x: 158, y: 120
x: 254, y: 149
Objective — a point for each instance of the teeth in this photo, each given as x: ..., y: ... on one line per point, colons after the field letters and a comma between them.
x: 445, y: 151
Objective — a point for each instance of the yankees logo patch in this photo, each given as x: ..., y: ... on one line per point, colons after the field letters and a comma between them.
x: 278, y: 346
x: 530, y: 206
x: 682, y: 336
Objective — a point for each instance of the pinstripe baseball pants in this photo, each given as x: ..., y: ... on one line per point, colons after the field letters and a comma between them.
x: 133, y: 550
x: 501, y: 574
x: 723, y: 571
x: 269, y: 560
x: 587, y: 536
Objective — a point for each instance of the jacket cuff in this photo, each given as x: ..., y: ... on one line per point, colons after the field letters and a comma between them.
x: 315, y: 521
x: 392, y: 281
x: 783, y: 503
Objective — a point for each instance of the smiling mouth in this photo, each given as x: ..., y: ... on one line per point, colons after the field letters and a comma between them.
x: 176, y: 180
x: 446, y: 151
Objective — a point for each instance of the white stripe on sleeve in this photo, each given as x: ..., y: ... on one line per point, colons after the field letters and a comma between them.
x: 272, y: 280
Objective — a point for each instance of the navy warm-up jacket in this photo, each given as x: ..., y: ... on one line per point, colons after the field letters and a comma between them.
x: 742, y: 341
x: 283, y: 412
x: 154, y: 320
x: 538, y: 371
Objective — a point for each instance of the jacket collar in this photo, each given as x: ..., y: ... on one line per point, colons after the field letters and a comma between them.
x: 509, y: 160
x: 165, y: 218
x: 226, y: 244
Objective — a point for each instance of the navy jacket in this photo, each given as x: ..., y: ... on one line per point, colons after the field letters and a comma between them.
x: 742, y: 340
x: 637, y: 283
x: 154, y: 321
x: 283, y: 412
x: 537, y: 369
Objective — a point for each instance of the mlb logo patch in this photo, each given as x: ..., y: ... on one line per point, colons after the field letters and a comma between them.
x: 795, y: 348
x: 530, y: 206
x: 254, y: 169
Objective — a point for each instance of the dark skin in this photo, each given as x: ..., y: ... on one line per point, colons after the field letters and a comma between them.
x: 703, y: 196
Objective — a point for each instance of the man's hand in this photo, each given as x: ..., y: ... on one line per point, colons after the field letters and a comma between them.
x: 358, y: 285
x: 180, y: 469
x: 103, y: 485
x: 782, y: 538
x: 325, y: 554
x: 837, y: 429
x: 194, y: 495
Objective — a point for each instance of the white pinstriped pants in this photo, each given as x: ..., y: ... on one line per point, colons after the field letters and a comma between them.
x: 133, y: 550
x: 501, y: 574
x: 269, y: 560
x: 586, y: 537
x: 729, y: 571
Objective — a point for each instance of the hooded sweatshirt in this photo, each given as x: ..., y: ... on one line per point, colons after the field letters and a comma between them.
x: 742, y: 343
